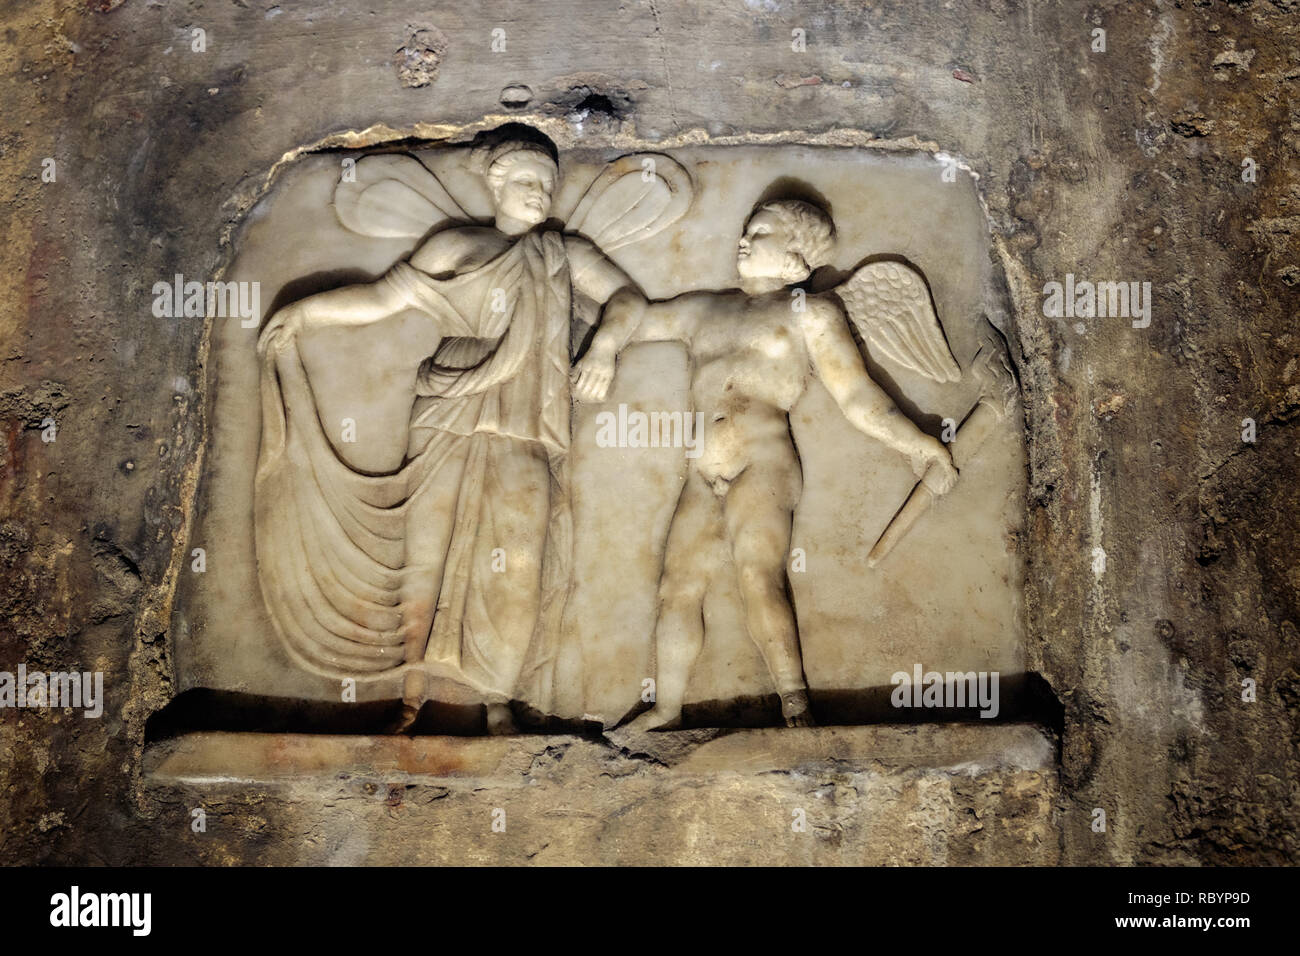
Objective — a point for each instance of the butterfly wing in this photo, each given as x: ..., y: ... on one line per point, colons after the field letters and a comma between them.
x: 633, y: 198
x: 393, y: 196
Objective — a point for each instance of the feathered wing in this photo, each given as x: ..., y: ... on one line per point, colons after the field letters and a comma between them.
x: 393, y: 196
x: 890, y: 306
x: 633, y: 198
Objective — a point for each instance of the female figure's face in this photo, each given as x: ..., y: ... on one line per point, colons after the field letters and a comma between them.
x: 524, y: 191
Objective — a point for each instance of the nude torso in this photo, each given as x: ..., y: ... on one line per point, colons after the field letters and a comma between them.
x: 749, y: 366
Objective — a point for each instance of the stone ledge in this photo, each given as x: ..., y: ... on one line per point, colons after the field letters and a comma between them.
x: 249, y: 758
x: 877, y: 795
x: 952, y: 748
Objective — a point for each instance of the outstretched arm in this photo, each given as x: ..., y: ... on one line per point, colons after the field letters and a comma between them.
x: 630, y: 318
x: 444, y: 254
x: 350, y: 305
x: 865, y: 404
x: 626, y: 316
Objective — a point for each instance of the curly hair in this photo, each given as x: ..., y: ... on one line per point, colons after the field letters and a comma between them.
x: 812, y: 234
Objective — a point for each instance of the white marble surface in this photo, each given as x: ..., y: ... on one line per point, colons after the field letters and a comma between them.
x: 947, y: 598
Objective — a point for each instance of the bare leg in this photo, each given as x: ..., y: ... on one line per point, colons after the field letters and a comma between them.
x: 694, y: 539
x: 759, y: 509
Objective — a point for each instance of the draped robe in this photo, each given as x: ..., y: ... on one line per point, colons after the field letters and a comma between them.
x: 332, y: 541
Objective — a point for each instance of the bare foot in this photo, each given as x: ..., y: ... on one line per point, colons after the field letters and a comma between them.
x: 796, y: 710
x: 406, y: 719
x: 653, y: 719
x: 500, y: 720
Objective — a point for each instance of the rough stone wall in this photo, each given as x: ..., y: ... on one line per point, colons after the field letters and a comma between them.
x: 1119, y: 165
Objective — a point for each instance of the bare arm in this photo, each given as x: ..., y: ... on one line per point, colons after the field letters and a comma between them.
x: 865, y: 404
x: 633, y: 319
x: 352, y: 305
x: 347, y: 306
x: 626, y: 317
x: 446, y: 253
x: 630, y: 318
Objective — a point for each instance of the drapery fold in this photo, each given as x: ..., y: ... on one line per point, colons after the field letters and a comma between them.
x: 331, y: 541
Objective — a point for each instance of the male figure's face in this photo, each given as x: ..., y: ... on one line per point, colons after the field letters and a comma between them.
x: 525, y: 191
x: 763, y: 248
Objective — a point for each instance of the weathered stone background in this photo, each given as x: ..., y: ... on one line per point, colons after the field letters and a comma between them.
x: 1117, y: 165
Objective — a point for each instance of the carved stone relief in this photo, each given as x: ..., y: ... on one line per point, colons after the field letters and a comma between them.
x: 785, y: 467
